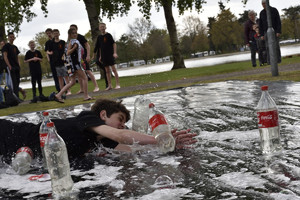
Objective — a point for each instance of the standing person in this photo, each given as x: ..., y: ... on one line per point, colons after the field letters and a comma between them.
x: 249, y: 35
x: 86, y: 59
x: 75, y: 52
x: 34, y: 57
x: 2, y: 69
x: 276, y: 24
x: 48, y: 47
x: 107, y: 54
x: 58, y: 49
x: 10, y: 54
x: 261, y: 46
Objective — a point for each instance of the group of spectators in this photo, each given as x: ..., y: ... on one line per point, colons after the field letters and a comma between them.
x: 69, y: 61
x: 256, y: 34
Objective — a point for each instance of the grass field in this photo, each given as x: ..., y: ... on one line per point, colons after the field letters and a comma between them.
x: 156, y: 78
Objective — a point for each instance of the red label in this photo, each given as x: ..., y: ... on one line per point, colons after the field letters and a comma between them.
x: 25, y: 149
x: 157, y: 120
x: 267, y: 119
x: 43, y: 138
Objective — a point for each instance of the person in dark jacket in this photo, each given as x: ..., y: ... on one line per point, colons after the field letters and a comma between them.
x: 276, y: 24
x: 249, y: 35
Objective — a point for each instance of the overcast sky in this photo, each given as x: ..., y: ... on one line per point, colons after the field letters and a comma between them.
x: 62, y: 13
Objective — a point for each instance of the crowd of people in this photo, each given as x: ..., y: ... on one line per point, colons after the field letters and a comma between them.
x: 255, y: 30
x: 69, y: 61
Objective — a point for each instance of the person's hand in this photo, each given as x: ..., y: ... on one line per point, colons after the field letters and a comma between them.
x: 248, y: 45
x: 50, y: 52
x: 183, y: 138
x: 115, y: 55
x: 100, y: 59
x: 262, y: 37
x: 277, y: 34
x: 88, y: 58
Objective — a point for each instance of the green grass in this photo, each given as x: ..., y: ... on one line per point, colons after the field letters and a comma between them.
x: 155, y: 78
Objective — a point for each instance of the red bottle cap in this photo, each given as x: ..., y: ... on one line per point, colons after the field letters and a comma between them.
x: 151, y: 105
x: 264, y: 88
x: 45, y: 113
x: 50, y: 124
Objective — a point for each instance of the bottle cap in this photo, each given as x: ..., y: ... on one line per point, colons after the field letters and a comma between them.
x: 50, y: 124
x: 45, y: 113
x: 151, y: 105
x: 264, y: 88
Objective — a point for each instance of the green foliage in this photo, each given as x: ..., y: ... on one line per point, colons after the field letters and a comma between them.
x: 158, y: 39
x: 293, y: 16
x: 127, y: 49
x: 12, y: 13
x: 226, y: 32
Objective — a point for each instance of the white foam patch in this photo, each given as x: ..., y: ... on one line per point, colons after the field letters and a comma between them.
x: 165, y: 194
x: 242, y: 180
x: 170, y: 160
x: 100, y: 175
x: 238, y: 135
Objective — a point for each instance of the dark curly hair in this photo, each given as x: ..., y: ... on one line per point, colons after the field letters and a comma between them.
x: 111, y: 107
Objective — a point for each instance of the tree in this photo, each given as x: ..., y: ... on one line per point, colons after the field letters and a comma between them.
x: 140, y: 29
x: 127, y: 49
x: 226, y: 31
x: 12, y: 13
x: 195, y: 29
x: 293, y: 14
x: 158, y: 39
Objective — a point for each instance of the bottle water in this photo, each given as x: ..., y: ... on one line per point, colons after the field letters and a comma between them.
x: 43, y: 135
x: 141, y: 115
x: 22, y: 161
x: 268, y: 123
x: 58, y: 163
x: 161, y: 130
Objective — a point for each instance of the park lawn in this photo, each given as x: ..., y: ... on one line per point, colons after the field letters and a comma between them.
x: 155, y: 78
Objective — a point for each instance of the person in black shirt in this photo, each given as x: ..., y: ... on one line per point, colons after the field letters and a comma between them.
x: 86, y: 58
x: 104, y: 124
x: 58, y: 52
x: 48, y: 47
x: 34, y: 57
x: 10, y: 54
x: 107, y: 51
x: 276, y: 25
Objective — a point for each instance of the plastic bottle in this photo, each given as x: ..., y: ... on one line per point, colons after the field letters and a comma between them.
x: 43, y: 135
x: 161, y: 130
x: 58, y: 163
x: 22, y: 161
x: 268, y: 123
x: 141, y: 115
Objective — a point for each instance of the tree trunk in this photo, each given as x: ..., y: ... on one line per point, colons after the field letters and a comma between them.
x: 2, y: 28
x: 93, y: 15
x: 177, y: 57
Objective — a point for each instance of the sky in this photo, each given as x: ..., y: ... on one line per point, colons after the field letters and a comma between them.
x: 62, y: 13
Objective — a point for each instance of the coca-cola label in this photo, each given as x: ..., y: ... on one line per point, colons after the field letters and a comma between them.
x: 157, y: 120
x: 43, y: 138
x: 25, y: 149
x: 267, y: 119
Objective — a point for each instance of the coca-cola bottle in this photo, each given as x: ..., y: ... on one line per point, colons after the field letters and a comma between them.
x: 58, y: 163
x: 22, y: 161
x: 161, y: 130
x: 43, y: 135
x: 141, y: 115
x: 268, y: 123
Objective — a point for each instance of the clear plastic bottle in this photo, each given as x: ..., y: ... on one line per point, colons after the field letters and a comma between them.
x: 58, y: 163
x: 43, y: 135
x: 161, y: 130
x: 268, y: 123
x: 22, y: 161
x: 141, y: 115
